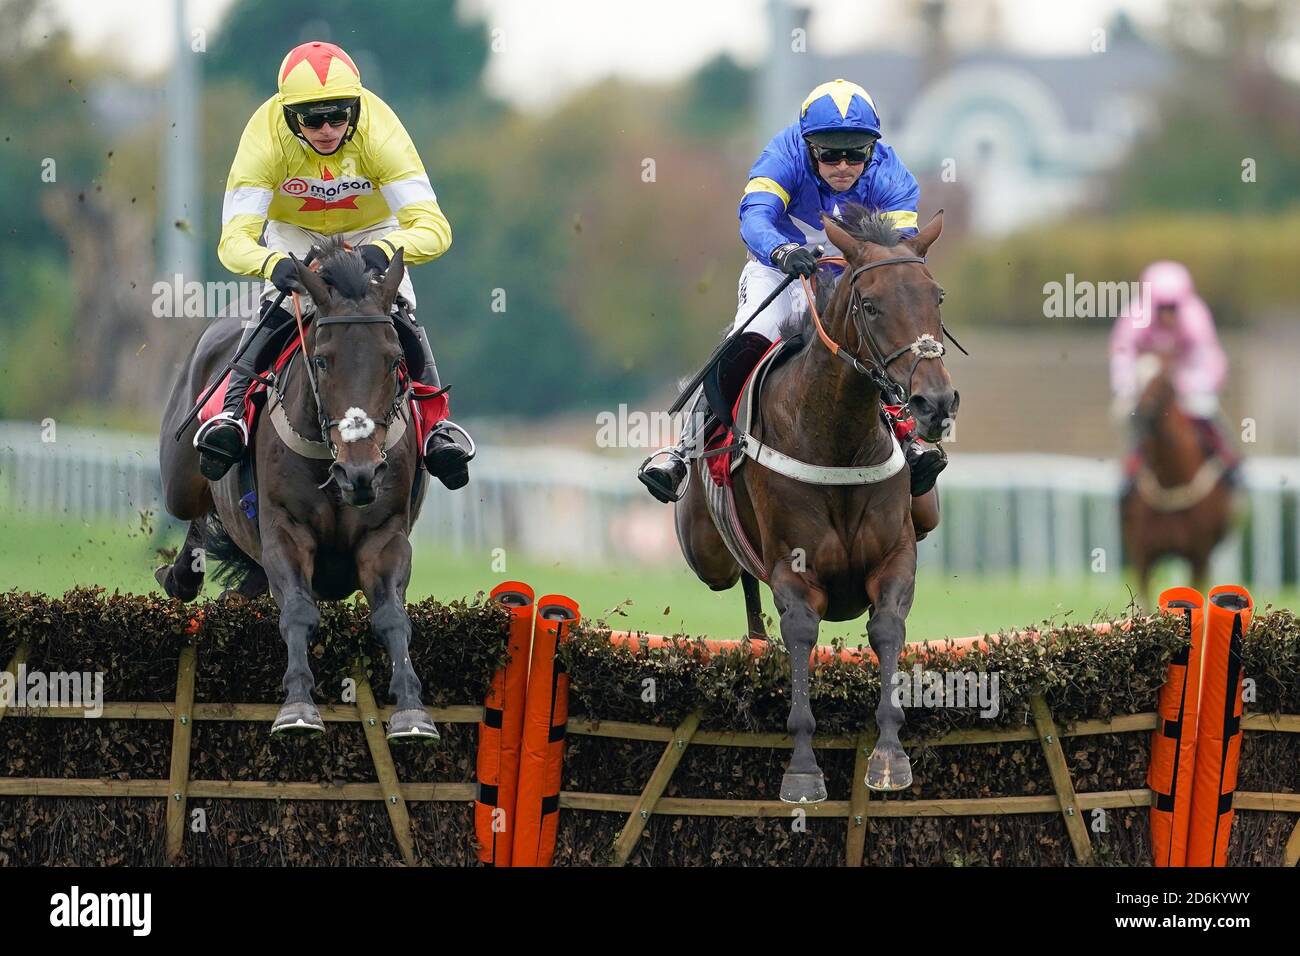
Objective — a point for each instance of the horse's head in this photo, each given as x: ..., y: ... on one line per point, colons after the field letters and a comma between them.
x: 1157, y: 396
x: 886, y: 311
x: 355, y: 363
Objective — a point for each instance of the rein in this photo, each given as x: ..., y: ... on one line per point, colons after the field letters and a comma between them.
x: 925, y: 346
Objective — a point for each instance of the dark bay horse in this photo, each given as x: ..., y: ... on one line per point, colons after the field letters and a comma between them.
x: 833, y: 552
x: 1181, y: 503
x: 325, y: 526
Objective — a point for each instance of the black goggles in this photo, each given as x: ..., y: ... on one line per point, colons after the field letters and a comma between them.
x: 855, y: 156
x: 339, y: 117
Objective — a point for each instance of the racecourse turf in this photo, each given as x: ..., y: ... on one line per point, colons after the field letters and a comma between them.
x: 49, y: 555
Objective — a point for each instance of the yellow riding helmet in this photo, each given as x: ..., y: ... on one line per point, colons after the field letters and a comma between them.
x: 316, y: 71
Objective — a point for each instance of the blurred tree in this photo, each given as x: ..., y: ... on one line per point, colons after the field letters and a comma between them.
x: 407, y: 50
x: 50, y: 144
x: 718, y: 97
x: 1228, y: 135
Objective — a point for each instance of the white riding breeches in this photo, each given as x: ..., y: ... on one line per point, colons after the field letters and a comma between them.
x: 282, y: 237
x: 756, y: 283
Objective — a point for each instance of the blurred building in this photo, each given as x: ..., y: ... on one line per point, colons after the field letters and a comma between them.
x: 1020, y: 137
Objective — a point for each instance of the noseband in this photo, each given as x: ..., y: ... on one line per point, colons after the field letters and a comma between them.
x: 925, y: 346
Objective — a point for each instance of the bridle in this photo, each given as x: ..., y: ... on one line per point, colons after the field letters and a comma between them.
x: 325, y: 422
x: 924, y: 346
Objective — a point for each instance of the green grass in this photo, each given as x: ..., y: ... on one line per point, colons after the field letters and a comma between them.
x: 48, y: 555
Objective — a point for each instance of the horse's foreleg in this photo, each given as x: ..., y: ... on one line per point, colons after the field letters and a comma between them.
x: 384, y: 567
x: 183, y: 578
x: 801, y: 607
x: 891, y: 590
x: 289, y: 561
x: 753, y: 605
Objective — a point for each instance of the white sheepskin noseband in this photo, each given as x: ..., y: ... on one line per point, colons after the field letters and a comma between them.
x: 356, y: 425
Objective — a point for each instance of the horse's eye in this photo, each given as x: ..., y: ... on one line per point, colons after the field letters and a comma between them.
x: 321, y: 363
x: 942, y: 295
x: 869, y: 308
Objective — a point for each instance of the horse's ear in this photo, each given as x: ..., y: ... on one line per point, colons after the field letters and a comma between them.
x: 311, y: 282
x: 922, y: 241
x: 836, y: 233
x: 392, y: 281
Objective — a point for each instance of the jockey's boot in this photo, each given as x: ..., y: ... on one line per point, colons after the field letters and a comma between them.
x: 925, y: 461
x: 666, y: 481
x: 445, y: 458
x: 223, y: 439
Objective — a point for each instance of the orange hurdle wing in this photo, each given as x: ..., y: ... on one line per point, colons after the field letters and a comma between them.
x: 501, y: 731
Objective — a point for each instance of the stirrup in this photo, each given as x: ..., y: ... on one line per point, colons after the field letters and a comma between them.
x: 673, y: 453
x: 448, y: 423
x: 211, y: 423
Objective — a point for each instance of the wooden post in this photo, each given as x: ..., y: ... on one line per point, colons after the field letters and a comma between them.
x: 1051, y: 741
x: 178, y: 784
x: 855, y: 843
x: 385, y: 770
x: 19, y: 658
x: 1291, y: 856
x: 654, y: 789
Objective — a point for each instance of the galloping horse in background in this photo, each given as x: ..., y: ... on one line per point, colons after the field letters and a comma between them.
x: 327, y: 524
x: 1181, y: 503
x: 840, y: 539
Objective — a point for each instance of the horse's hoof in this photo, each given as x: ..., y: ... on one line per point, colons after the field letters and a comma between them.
x: 888, y: 770
x: 166, y: 578
x: 803, y: 787
x: 299, y: 719
x: 413, y: 725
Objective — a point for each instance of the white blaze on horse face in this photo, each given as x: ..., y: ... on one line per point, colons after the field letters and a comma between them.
x: 356, y: 425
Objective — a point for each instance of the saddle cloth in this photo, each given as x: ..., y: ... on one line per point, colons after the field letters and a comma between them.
x: 425, y: 408
x: 723, y: 456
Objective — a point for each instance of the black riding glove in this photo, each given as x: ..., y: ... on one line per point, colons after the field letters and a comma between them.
x: 285, y: 277
x: 793, y: 259
x: 376, y: 259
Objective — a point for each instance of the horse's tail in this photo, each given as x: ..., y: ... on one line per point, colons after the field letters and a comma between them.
x: 236, y: 566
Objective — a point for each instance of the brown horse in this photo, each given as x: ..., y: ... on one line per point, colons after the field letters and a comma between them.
x: 327, y: 523
x: 1181, y: 503
x: 833, y: 552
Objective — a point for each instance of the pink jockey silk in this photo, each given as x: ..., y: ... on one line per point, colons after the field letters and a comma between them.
x: 1199, y: 362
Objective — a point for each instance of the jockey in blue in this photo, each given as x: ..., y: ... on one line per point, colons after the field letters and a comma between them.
x: 832, y: 156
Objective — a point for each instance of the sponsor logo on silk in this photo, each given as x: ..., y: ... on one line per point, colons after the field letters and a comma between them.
x: 327, y: 192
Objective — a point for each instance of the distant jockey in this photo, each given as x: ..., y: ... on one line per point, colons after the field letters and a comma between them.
x: 832, y: 155
x: 1181, y: 329
x: 324, y: 158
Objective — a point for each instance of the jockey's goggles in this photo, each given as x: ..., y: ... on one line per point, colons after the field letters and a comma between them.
x: 833, y: 157
x: 333, y: 118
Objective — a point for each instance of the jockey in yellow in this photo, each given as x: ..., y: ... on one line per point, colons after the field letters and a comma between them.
x: 325, y: 158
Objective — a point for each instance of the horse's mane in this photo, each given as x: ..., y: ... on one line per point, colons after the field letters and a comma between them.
x: 344, y: 270
x: 860, y: 222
